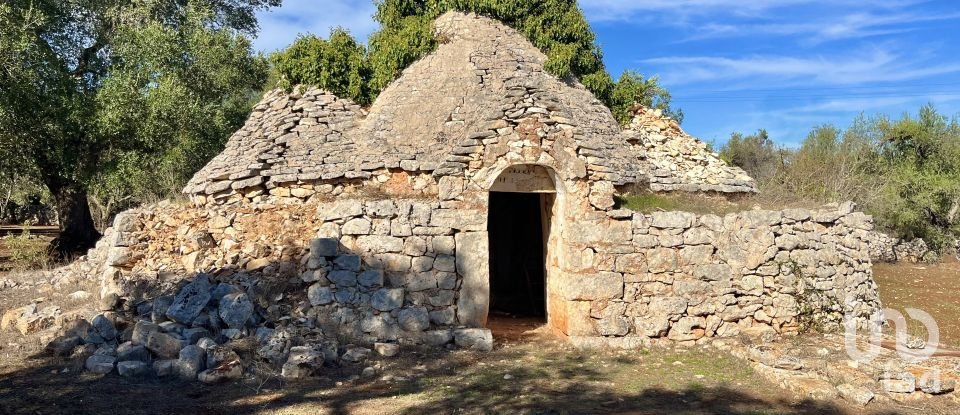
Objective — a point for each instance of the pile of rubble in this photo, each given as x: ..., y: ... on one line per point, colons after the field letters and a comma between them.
x: 679, y: 161
x: 213, y: 332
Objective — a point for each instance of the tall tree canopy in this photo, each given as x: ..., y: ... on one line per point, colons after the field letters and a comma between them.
x: 557, y: 27
x: 91, y: 87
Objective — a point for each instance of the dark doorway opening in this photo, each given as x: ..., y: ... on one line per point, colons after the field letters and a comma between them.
x: 517, y: 230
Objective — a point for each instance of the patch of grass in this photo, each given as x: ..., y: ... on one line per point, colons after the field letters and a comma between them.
x: 703, y: 204
x: 26, y: 252
x: 646, y: 203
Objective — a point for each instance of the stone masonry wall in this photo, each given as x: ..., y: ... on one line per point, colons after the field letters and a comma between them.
x: 389, y: 270
x: 686, y: 278
x: 377, y: 270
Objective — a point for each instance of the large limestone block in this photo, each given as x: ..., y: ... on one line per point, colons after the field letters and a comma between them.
x: 472, y: 254
x: 599, y: 286
x: 340, y: 209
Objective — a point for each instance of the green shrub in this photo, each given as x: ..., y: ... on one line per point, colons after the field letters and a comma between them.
x: 27, y: 251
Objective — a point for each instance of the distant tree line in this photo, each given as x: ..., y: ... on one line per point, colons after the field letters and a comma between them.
x: 906, y: 171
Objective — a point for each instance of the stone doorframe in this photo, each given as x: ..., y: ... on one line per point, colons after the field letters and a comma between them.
x: 473, y: 254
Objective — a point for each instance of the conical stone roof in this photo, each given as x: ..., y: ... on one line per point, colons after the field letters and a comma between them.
x: 433, y: 116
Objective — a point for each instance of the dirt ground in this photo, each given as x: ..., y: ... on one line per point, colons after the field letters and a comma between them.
x: 530, y: 371
x: 931, y: 288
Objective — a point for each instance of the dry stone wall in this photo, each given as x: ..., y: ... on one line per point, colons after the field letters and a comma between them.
x: 378, y: 270
x: 687, y: 278
x: 395, y: 270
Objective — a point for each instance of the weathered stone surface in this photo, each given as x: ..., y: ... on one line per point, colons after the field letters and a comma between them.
x: 128, y: 351
x: 387, y: 299
x: 474, y: 339
x: 164, y: 345
x: 130, y: 369
x: 672, y: 220
x: 190, y: 301
x: 472, y: 263
x: 414, y: 319
x: 324, y: 247
x: 104, y: 327
x: 142, y: 331
x: 603, y: 285
x: 340, y: 209
x: 235, y: 309
x: 386, y: 349
x: 319, y: 295
x: 190, y: 362
x: 220, y: 375
x: 858, y: 395
x: 99, y: 363
x: 302, y: 362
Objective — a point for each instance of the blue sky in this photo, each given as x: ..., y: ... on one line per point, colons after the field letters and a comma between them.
x: 741, y: 65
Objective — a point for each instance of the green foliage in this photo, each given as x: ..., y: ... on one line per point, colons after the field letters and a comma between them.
x: 904, y: 172
x: 118, y: 94
x: 632, y: 88
x: 920, y: 161
x: 557, y: 27
x: 646, y: 203
x: 756, y: 154
x: 337, y: 65
x: 26, y: 251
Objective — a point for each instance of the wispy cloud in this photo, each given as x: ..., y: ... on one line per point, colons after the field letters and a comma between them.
x: 851, y: 26
x: 877, y: 65
x: 625, y: 10
x: 279, y: 27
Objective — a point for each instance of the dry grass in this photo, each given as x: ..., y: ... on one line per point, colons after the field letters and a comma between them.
x: 705, y: 204
x: 24, y: 252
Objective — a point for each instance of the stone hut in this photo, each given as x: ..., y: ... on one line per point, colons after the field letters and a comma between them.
x: 479, y: 184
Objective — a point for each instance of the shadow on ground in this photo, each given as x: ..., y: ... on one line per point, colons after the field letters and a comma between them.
x: 426, y: 381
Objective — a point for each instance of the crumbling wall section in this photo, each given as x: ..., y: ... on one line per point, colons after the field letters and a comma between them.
x: 374, y: 270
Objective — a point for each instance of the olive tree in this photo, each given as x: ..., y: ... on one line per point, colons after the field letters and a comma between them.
x: 86, y: 86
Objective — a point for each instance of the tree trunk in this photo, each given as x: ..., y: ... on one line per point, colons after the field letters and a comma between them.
x: 77, y: 232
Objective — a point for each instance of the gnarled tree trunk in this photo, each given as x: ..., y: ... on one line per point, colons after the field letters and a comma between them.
x: 77, y: 231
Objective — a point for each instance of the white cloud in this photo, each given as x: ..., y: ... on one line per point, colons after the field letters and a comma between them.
x: 279, y: 27
x: 625, y: 10
x: 877, y: 65
x: 850, y: 26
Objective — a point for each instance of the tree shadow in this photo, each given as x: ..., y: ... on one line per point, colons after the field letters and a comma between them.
x: 420, y: 380
x: 426, y: 381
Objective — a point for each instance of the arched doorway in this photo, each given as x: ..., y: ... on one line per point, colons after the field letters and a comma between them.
x: 521, y: 205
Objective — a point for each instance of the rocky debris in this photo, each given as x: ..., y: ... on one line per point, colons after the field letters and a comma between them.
x: 858, y: 395
x: 825, y: 371
x: 29, y: 319
x: 681, y: 162
x: 302, y: 362
x: 884, y: 248
x: 191, y: 300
